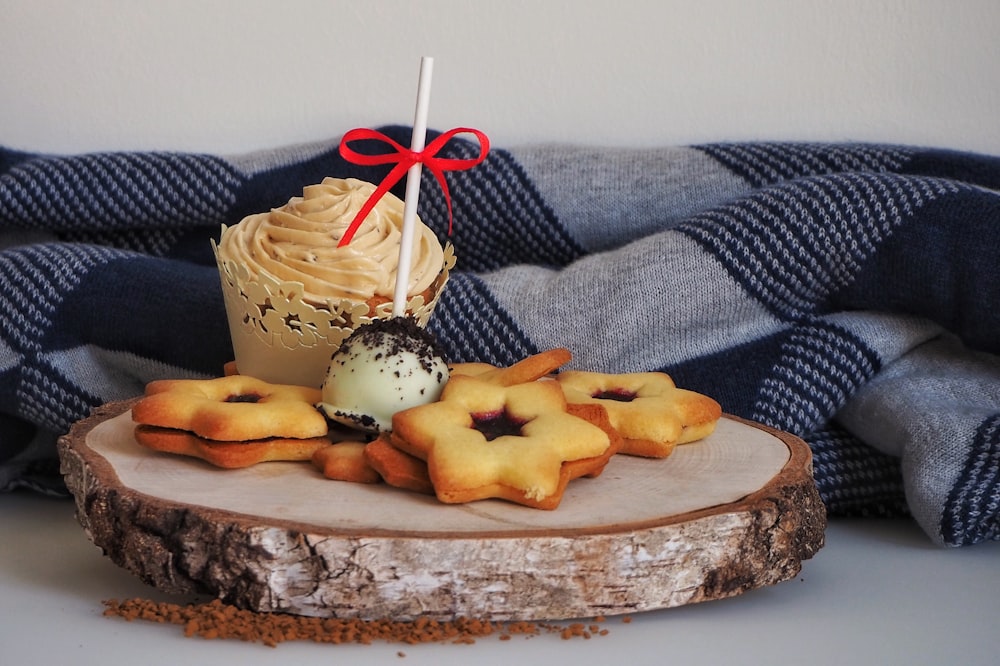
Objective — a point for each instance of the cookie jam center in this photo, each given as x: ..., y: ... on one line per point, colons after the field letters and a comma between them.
x: 497, y: 424
x: 618, y: 394
x: 243, y: 397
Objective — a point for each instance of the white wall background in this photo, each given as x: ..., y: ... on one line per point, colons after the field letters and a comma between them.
x: 236, y: 75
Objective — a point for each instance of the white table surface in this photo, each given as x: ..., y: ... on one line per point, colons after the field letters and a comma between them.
x: 878, y: 593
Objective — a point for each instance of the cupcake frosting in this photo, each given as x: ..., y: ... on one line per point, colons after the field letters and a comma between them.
x: 298, y: 243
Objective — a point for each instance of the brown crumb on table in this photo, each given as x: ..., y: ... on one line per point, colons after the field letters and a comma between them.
x: 215, y: 619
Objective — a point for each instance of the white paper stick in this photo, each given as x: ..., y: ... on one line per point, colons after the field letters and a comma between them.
x: 412, y: 188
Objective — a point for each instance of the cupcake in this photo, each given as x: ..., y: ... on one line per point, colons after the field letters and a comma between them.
x: 293, y: 293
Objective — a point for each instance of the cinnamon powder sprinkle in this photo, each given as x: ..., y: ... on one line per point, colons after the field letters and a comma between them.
x: 215, y: 619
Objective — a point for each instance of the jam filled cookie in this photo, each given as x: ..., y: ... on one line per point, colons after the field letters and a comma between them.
x: 228, y: 455
x: 518, y: 443
x: 232, y: 408
x: 646, y: 408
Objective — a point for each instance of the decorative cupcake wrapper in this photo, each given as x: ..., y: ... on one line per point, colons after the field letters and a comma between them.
x: 281, y: 337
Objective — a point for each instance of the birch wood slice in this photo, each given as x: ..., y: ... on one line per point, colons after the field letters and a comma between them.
x: 736, y: 511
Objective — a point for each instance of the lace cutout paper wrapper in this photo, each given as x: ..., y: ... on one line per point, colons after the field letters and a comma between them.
x: 282, y: 338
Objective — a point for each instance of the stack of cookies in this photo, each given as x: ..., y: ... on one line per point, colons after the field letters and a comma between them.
x: 231, y: 422
x: 521, y: 434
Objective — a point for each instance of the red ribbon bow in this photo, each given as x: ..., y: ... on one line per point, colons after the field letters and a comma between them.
x: 404, y: 158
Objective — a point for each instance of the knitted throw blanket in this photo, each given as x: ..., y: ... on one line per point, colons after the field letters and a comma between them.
x: 847, y: 293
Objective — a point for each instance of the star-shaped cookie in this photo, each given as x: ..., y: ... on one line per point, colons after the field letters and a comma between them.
x: 520, y: 443
x: 646, y: 408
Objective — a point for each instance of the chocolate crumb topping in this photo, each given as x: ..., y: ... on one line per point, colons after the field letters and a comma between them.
x: 406, y: 336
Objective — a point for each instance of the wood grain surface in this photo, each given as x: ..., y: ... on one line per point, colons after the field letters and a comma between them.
x: 736, y: 511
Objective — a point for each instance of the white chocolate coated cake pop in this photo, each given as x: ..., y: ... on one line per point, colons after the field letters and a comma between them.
x: 384, y: 367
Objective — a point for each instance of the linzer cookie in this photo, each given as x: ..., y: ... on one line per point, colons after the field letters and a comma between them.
x: 518, y: 443
x: 231, y: 421
x: 231, y: 408
x: 647, y: 408
x: 228, y: 455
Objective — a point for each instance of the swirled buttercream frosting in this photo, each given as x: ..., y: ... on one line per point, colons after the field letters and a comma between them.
x: 298, y: 243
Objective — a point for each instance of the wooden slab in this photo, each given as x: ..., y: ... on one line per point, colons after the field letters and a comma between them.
x: 736, y: 511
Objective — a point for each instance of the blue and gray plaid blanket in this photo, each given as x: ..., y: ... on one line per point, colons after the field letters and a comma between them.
x: 847, y: 293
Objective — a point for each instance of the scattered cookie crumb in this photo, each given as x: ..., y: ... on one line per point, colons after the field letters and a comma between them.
x: 215, y: 619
